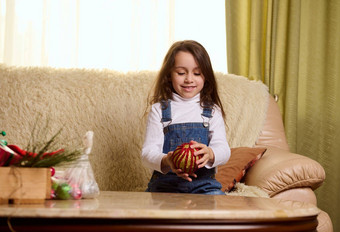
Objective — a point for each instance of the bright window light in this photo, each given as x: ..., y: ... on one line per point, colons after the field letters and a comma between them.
x: 125, y: 35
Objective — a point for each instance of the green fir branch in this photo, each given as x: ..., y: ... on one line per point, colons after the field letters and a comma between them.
x: 40, y: 148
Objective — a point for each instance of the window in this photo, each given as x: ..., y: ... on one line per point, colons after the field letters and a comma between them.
x: 124, y: 35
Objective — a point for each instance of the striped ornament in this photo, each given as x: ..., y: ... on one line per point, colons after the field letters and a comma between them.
x: 184, y: 158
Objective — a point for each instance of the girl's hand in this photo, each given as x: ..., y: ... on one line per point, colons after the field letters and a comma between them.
x: 206, y: 152
x: 168, y: 165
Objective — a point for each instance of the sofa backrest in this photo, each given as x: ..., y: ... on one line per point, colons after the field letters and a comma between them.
x: 112, y: 105
x: 273, y: 131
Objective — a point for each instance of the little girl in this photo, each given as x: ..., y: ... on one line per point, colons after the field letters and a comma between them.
x: 185, y: 108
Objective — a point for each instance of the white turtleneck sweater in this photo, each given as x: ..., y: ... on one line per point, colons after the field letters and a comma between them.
x: 182, y: 111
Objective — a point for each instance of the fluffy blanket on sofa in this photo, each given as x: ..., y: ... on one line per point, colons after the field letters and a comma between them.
x: 112, y: 104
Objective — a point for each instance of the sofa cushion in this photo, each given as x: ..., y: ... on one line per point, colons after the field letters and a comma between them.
x: 241, y: 159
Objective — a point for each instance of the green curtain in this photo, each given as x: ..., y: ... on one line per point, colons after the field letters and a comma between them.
x: 293, y: 46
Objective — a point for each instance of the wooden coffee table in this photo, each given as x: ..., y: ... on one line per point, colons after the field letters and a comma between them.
x: 140, y: 211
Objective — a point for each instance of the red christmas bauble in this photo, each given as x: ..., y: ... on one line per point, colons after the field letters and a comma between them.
x: 184, y: 158
x: 52, y: 171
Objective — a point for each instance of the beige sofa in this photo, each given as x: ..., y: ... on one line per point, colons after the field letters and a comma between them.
x: 113, y: 105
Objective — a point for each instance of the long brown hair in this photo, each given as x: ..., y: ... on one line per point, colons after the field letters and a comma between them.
x: 163, y: 88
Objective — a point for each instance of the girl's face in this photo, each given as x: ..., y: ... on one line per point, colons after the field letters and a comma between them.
x: 187, y: 78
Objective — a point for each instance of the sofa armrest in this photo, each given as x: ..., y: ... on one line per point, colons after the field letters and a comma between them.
x: 279, y: 170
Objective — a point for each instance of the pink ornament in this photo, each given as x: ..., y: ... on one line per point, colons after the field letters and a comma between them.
x: 53, y: 196
x: 76, y: 192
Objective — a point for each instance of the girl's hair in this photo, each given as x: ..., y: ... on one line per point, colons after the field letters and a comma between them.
x: 163, y: 88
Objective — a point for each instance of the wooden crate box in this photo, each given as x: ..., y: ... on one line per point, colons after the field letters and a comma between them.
x: 24, y: 185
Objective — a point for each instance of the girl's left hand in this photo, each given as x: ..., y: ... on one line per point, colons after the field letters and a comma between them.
x: 206, y: 153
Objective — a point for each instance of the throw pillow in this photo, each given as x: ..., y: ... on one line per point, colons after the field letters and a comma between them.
x: 241, y: 159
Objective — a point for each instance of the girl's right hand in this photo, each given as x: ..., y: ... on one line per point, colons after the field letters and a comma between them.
x: 167, y: 164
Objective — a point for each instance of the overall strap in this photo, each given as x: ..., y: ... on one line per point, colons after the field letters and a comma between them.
x: 166, y: 111
x: 207, y: 113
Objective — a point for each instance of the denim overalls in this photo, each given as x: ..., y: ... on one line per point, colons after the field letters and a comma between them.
x: 175, y: 135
